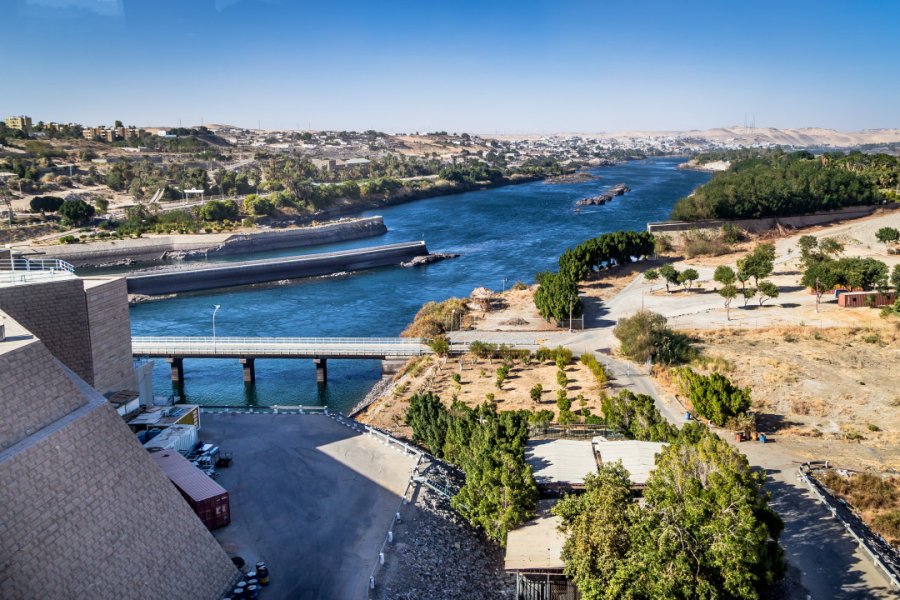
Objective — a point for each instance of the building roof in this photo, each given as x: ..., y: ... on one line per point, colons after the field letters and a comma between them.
x: 189, y: 479
x: 638, y: 458
x: 560, y: 462
x: 537, y: 544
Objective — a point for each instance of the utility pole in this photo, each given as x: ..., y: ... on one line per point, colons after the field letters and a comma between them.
x: 571, y: 308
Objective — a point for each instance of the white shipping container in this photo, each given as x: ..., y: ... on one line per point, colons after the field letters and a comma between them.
x: 182, y: 438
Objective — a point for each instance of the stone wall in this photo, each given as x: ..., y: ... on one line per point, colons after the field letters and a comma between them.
x: 30, y: 400
x: 87, y: 514
x: 56, y: 312
x: 83, y: 322
x: 110, y: 327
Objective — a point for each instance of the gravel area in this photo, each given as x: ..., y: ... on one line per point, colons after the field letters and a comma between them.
x: 436, y: 554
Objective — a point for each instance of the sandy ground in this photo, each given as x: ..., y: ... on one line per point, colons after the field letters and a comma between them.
x: 478, y: 378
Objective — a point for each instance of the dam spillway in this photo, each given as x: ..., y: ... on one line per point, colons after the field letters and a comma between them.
x: 273, y: 269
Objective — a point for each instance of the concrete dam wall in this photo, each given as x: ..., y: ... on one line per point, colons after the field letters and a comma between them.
x: 153, y: 249
x: 274, y: 269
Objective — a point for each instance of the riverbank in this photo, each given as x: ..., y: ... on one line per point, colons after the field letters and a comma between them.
x: 157, y: 249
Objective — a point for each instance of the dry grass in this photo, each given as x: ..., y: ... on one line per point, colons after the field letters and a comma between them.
x: 877, y: 499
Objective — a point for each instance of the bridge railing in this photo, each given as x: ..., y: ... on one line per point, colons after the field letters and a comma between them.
x: 256, y: 341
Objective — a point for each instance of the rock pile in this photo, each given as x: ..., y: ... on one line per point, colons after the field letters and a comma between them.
x: 616, y: 190
x: 436, y: 554
x: 428, y: 259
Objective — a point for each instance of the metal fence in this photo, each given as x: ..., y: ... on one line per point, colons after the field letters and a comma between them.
x: 25, y: 270
x: 578, y: 431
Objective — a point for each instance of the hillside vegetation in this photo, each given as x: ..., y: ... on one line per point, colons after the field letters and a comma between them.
x: 776, y: 184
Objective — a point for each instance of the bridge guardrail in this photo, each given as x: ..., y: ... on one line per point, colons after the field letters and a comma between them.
x: 200, y: 340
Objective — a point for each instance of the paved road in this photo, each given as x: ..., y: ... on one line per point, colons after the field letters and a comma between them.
x: 309, y: 496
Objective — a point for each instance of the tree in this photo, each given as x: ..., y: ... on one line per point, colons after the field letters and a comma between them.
x: 895, y: 278
x: 687, y: 278
x: 596, y: 525
x: 651, y: 275
x: 759, y: 263
x: 218, y: 210
x: 728, y: 293
x: 767, y: 290
x: 102, y: 204
x: 821, y: 277
x: 724, y: 275
x: 45, y: 204
x: 536, y: 392
x: 670, y: 274
x: 645, y: 336
x: 429, y: 421
x: 76, y: 212
x: 886, y: 235
x: 705, y: 529
x: 636, y: 417
x: 747, y: 293
x: 714, y: 396
x: 563, y: 403
x: 557, y: 297
x: 255, y: 205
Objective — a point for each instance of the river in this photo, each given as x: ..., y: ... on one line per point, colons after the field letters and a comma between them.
x: 502, y: 233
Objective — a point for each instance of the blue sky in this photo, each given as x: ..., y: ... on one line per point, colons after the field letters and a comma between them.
x: 476, y: 66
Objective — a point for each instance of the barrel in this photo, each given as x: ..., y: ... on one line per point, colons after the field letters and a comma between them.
x: 262, y: 573
x: 238, y: 593
x: 762, y: 438
x: 687, y: 416
x: 252, y: 592
x: 250, y: 575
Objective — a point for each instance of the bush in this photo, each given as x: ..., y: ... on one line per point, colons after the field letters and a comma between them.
x: 75, y: 212
x: 218, y: 210
x: 645, y: 336
x: 561, y: 379
x: 599, y: 371
x: 636, y: 417
x: 440, y: 345
x: 536, y: 392
x: 563, y: 403
x: 713, y: 396
x: 698, y: 242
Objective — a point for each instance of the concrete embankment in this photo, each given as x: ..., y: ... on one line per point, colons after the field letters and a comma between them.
x: 275, y: 269
x: 767, y: 223
x: 152, y: 249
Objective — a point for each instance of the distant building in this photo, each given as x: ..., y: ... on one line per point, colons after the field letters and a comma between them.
x: 20, y: 122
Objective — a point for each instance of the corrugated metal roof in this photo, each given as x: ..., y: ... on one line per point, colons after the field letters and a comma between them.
x: 638, y: 458
x: 188, y: 478
x: 560, y: 461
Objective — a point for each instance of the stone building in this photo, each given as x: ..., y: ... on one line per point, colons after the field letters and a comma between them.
x: 84, y: 510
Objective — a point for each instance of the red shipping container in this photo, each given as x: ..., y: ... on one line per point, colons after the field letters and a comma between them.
x: 208, y: 499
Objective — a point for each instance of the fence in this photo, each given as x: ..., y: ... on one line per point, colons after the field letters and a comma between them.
x: 24, y: 270
x: 579, y: 431
x: 881, y: 553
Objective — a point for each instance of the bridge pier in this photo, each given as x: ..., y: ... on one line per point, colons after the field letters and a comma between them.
x: 249, y: 364
x: 321, y: 369
x: 177, y: 365
x: 391, y: 366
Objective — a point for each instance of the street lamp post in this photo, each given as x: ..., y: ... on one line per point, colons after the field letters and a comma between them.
x: 216, y: 308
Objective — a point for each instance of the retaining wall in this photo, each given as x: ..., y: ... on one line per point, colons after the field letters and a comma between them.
x: 767, y: 223
x: 262, y: 271
x: 177, y: 246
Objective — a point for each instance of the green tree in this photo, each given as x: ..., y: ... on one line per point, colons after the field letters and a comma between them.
x: 724, y: 275
x: 645, y: 336
x: 557, y: 297
x: 670, y: 274
x: 759, y: 263
x: 687, y: 278
x: 597, y: 527
x: 536, y: 392
x: 651, y: 275
x: 728, y: 292
x: 767, y: 290
x: 75, y: 212
x: 102, y: 204
x: 218, y: 210
x: 886, y: 235
x: 561, y: 379
x: 714, y: 396
x: 45, y: 204
x: 563, y: 403
x: 895, y: 278
x: 636, y: 416
x: 429, y: 421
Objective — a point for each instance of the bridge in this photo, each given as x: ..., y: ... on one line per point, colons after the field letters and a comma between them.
x: 248, y: 349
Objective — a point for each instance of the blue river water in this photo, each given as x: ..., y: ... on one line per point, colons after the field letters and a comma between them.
x: 507, y: 233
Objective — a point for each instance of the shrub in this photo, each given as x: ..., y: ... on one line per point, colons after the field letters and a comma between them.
x: 698, y: 242
x: 562, y: 401
x: 636, y: 417
x: 713, y: 396
x: 561, y: 379
x: 218, y: 210
x: 645, y: 336
x: 440, y: 345
x: 599, y: 371
x: 536, y: 392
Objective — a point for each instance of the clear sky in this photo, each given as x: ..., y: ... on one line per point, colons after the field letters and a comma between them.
x: 462, y: 65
